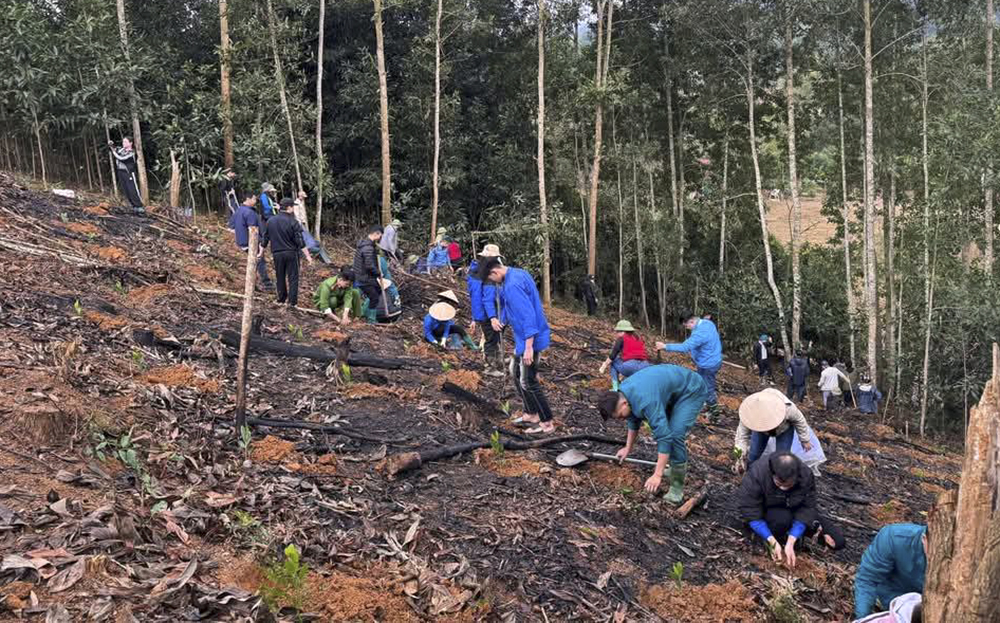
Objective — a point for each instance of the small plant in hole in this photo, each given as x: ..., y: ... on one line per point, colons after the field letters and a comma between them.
x: 677, y: 573
x: 296, y: 331
x: 244, y: 441
x: 286, y: 582
x: 345, y: 373
x: 248, y: 530
x: 64, y: 217
x: 78, y: 307
x: 496, y: 445
x: 737, y: 454
x: 782, y: 609
x: 138, y: 359
x: 445, y: 366
x: 505, y: 407
x: 119, y: 287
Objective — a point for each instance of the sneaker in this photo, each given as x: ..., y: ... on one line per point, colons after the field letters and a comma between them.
x: 494, y: 372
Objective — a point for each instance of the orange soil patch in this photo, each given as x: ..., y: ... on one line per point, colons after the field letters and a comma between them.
x: 242, y: 573
x: 204, y: 274
x: 615, y: 476
x: 105, y: 322
x: 325, y: 465
x: 16, y: 595
x: 87, y: 229
x: 509, y: 465
x: 330, y: 336
x: 892, y: 511
x: 98, y: 210
x: 341, y: 597
x: 816, y: 228
x: 836, y: 427
x: 730, y: 402
x: 601, y: 383
x: 179, y: 246
x: 109, y: 254
x: 712, y: 603
x: 831, y: 438
x: 466, y: 379
x: 145, y: 295
x: 359, y: 391
x: 180, y: 376
x: 884, y: 431
x: 871, y: 445
x: 271, y: 449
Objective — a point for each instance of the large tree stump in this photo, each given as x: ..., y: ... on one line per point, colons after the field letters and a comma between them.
x: 963, y: 567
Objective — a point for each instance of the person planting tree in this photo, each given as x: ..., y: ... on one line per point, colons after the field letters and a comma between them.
x: 338, y: 299
x: 628, y: 354
x: 668, y: 398
x: 763, y: 415
x: 705, y: 348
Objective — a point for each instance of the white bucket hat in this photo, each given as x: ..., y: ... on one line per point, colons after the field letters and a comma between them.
x: 442, y: 312
x: 490, y: 250
x: 763, y: 411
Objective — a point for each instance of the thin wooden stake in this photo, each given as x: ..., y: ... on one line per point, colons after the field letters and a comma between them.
x: 241, y: 363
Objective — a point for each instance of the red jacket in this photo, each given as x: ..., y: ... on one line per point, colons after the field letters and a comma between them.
x: 454, y: 252
x: 633, y: 347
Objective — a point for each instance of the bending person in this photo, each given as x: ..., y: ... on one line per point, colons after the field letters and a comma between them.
x: 628, y: 354
x: 763, y: 415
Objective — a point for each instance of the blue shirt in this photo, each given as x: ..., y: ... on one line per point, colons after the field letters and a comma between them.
x: 894, y: 564
x: 430, y: 324
x: 243, y: 218
x: 482, y: 295
x: 652, y: 391
x: 267, y: 208
x: 522, y: 309
x: 438, y: 257
x: 704, y: 345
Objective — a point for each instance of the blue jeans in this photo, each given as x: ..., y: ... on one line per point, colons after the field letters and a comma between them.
x: 681, y: 418
x: 708, y: 375
x: 626, y: 368
x: 758, y: 443
x: 796, y: 393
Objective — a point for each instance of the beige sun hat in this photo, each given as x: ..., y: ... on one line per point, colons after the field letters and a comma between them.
x: 384, y: 283
x: 763, y: 411
x: 448, y: 294
x: 442, y: 312
x: 490, y: 250
x: 624, y: 325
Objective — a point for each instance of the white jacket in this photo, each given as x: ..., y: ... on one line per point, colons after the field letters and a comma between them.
x: 829, y: 380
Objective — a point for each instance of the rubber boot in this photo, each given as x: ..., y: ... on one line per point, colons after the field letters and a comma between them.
x: 614, y: 385
x: 677, y: 474
x: 469, y: 343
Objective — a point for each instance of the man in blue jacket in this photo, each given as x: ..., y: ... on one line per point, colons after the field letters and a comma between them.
x: 483, y: 295
x: 868, y: 396
x: 668, y: 398
x: 895, y: 563
x: 521, y: 307
x: 240, y: 222
x: 705, y: 348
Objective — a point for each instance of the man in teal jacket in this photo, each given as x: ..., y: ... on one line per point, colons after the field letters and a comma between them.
x: 668, y: 398
x: 705, y: 348
x: 895, y: 563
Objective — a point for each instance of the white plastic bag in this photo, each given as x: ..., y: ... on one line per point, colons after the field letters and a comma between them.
x: 814, y: 458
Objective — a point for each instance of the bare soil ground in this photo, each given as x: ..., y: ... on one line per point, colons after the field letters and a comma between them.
x: 816, y: 228
x: 128, y: 496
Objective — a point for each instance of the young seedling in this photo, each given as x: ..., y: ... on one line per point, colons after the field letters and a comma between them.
x: 120, y: 287
x: 78, y: 307
x: 505, y: 407
x: 286, y: 582
x: 244, y: 441
x: 138, y: 359
x: 296, y: 331
x: 737, y: 454
x: 496, y: 445
x: 345, y: 373
x: 677, y: 573
x: 445, y: 366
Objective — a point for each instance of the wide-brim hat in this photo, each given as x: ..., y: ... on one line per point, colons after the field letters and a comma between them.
x: 763, y: 411
x: 448, y: 294
x: 490, y: 250
x: 396, y: 222
x: 624, y: 325
x: 442, y: 230
x: 442, y: 312
x: 266, y: 187
x: 384, y: 283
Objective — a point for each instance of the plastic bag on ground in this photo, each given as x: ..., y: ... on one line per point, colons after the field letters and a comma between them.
x: 814, y: 458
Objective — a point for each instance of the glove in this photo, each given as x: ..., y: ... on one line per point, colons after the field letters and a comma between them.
x: 443, y: 342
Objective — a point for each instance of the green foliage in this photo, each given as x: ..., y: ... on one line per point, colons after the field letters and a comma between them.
x: 782, y: 609
x: 737, y: 453
x: 496, y: 445
x: 296, y: 331
x: 138, y: 359
x: 120, y: 287
x: 78, y: 308
x: 677, y: 573
x: 345, y: 373
x: 505, y: 407
x: 248, y: 530
x: 445, y: 366
x: 286, y: 582
x: 246, y: 437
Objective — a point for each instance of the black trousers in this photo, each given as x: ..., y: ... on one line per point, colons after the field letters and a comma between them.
x: 456, y: 329
x: 265, y: 278
x: 591, y: 306
x: 286, y: 268
x: 780, y: 520
x: 372, y: 290
x: 764, y: 368
x: 796, y: 392
x: 491, y: 347
x: 129, y: 188
x: 529, y: 389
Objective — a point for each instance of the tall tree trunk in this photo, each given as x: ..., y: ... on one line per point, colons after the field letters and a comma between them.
x: 603, y: 48
x: 187, y: 169
x: 542, y: 200
x: 621, y: 213
x: 761, y: 210
x: 140, y: 159
x: 225, y: 53
x: 928, y: 276
x: 674, y: 198
x: 963, y: 557
x: 793, y: 185
x: 86, y: 160
x: 320, y: 158
x: 437, y: 114
x: 889, y: 244
x: 871, y: 285
x: 279, y: 74
x: 725, y: 200
x: 846, y: 211
x: 988, y: 224
x: 97, y: 163
x: 681, y: 191
x: 175, y: 181
x: 41, y: 154
x: 383, y: 102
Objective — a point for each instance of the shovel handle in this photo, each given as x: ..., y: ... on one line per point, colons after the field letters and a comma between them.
x: 611, y: 457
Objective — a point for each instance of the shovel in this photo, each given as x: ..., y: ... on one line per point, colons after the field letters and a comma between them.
x: 571, y: 458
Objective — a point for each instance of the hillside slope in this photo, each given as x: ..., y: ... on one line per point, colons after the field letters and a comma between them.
x: 127, y: 493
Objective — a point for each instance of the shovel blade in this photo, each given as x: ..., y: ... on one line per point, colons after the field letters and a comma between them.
x: 571, y: 458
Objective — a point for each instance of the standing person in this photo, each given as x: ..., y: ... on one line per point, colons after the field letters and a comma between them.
x: 763, y: 415
x: 454, y: 253
x: 763, y: 361
x: 268, y: 204
x: 628, y: 354
x: 847, y: 383
x: 284, y: 234
x: 829, y: 384
x: 777, y: 500
x: 300, y: 209
x: 437, y: 259
x: 895, y: 563
x: 521, y: 307
x: 705, y: 348
x: 365, y: 266
x: 589, y: 292
x: 125, y: 171
x: 227, y: 189
x: 868, y: 395
x: 483, y: 295
x: 668, y: 398
x: 798, y: 374
x: 390, y: 239
x: 336, y: 296
x: 241, y: 221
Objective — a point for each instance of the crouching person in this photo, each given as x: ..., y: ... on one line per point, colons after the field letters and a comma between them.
x: 338, y: 299
x: 668, y: 398
x: 777, y: 500
x: 894, y: 564
x: 763, y: 415
x: 440, y: 325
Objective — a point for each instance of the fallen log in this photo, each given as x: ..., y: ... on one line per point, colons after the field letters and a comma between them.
x: 693, y: 502
x: 463, y: 394
x: 278, y: 347
x: 392, y: 466
x: 846, y: 497
x: 333, y: 429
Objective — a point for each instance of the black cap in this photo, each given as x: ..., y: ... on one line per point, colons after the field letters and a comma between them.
x: 287, y: 202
